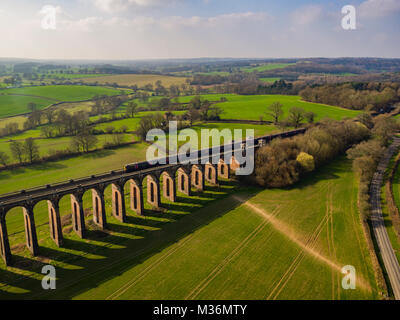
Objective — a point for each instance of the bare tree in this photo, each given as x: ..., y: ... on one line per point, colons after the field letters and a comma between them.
x: 309, y: 116
x: 31, y: 150
x: 117, y: 138
x: 275, y: 111
x: 17, y: 151
x: 84, y: 141
x: 131, y: 109
x: 50, y: 114
x: 4, y: 158
x: 296, y: 116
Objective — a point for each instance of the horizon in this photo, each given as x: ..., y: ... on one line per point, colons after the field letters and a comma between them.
x: 197, y: 58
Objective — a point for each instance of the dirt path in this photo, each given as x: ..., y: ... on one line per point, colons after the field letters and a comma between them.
x: 296, y: 237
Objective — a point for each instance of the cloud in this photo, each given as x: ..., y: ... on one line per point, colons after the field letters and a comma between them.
x: 378, y: 8
x: 306, y: 15
x: 230, y: 19
x: 120, y: 5
x: 90, y: 24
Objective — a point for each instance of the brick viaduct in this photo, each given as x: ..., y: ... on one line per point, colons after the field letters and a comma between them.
x: 173, y: 177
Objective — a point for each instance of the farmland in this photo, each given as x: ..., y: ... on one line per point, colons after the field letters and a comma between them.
x: 270, y: 80
x: 271, y: 243
x: 254, y: 106
x: 14, y: 101
x: 72, y: 75
x: 275, y: 254
x: 48, y: 145
x: 11, y: 105
x: 64, y: 92
x: 137, y: 79
x: 267, y: 67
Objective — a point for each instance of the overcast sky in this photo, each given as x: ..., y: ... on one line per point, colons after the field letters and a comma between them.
x: 147, y: 29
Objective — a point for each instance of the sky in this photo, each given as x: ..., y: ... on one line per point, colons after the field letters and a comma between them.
x: 158, y: 29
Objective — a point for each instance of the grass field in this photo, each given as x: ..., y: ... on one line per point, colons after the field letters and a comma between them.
x: 255, y: 244
x: 71, y: 107
x: 14, y: 101
x: 14, y: 119
x: 137, y: 79
x: 61, y: 143
x: 64, y: 92
x: 252, y: 107
x: 46, y: 146
x: 270, y: 80
x: 73, y: 75
x: 267, y: 67
x: 11, y: 105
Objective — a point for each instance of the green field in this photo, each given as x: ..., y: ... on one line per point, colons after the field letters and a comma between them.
x: 254, y: 106
x: 255, y: 244
x: 14, y: 101
x: 64, y: 92
x: 267, y: 67
x: 46, y: 145
x: 11, y: 105
x: 72, y: 75
x: 270, y: 80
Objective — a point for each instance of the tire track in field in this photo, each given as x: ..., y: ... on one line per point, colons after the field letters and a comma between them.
x: 110, y: 265
x: 333, y: 242
x: 330, y: 239
x: 144, y: 272
x: 295, y: 237
x: 298, y: 259
x: 220, y: 267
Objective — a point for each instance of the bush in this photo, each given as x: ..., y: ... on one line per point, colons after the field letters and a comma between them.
x: 306, y: 161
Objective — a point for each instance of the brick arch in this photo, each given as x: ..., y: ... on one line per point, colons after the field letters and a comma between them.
x: 223, y: 169
x: 118, y: 200
x: 211, y: 173
x: 153, y: 190
x: 136, y: 195
x: 198, y: 178
x: 169, y: 185
x: 78, y: 215
x: 184, y: 181
x: 55, y: 220
x: 29, y: 226
x: 5, y: 251
x: 98, y: 207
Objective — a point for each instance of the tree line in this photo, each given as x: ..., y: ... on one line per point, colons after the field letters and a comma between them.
x: 369, y: 96
x: 284, y: 161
